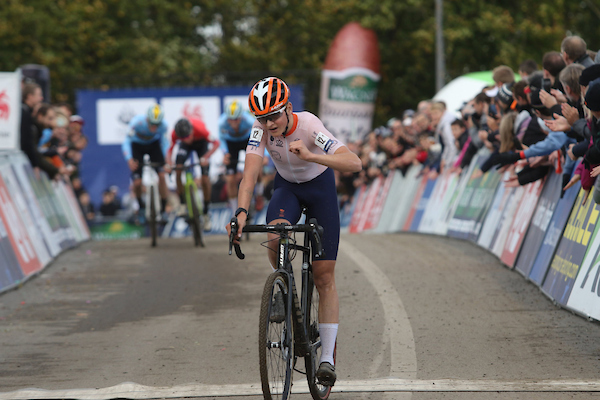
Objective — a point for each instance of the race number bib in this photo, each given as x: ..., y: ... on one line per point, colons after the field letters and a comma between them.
x: 255, y: 137
x: 324, y: 142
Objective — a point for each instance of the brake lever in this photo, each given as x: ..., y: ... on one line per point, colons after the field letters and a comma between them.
x: 234, y: 230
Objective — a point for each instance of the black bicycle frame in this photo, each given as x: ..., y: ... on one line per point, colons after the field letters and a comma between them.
x: 285, y: 265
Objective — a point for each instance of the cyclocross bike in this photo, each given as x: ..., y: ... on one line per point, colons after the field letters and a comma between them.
x: 195, y: 217
x: 295, y: 332
x: 151, y: 196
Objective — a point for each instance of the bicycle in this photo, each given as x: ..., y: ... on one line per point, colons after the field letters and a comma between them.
x: 195, y: 217
x: 282, y: 341
x: 151, y: 196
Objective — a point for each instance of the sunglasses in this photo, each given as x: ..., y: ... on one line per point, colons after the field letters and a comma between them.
x: 273, y: 117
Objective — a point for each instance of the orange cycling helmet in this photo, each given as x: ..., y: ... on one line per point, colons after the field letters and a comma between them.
x: 268, y: 96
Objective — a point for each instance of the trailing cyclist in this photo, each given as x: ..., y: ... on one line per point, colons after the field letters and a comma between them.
x: 235, y: 125
x: 147, y: 135
x: 191, y: 135
x: 305, y: 154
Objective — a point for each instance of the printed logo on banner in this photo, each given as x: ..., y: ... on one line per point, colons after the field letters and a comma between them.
x: 4, y: 105
x: 10, y: 271
x: 10, y: 109
x: 585, y: 296
x: 539, y: 223
x: 113, y: 116
x: 17, y: 233
x: 520, y: 222
x: 571, y: 249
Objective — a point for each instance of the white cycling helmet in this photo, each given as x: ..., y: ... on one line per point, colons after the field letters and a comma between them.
x: 155, y: 115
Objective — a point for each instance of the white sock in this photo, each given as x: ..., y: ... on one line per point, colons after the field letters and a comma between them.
x: 233, y: 204
x: 328, y: 333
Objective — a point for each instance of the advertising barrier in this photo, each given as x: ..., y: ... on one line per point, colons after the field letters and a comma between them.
x: 572, y: 248
x: 539, y: 223
x: 553, y: 234
x: 33, y: 221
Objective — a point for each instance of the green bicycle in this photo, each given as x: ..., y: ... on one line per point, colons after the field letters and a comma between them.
x: 195, y: 217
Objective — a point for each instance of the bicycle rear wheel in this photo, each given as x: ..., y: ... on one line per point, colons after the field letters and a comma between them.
x: 318, y: 391
x: 275, y: 342
x: 195, y: 222
x: 152, y: 221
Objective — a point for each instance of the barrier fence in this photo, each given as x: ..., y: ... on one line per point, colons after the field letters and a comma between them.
x: 39, y: 219
x: 552, y: 240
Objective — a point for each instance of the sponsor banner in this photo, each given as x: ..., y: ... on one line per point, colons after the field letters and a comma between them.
x: 458, y: 225
x: 521, y: 221
x: 492, y: 217
x: 462, y: 181
x: 26, y: 180
x: 380, y: 197
x: 483, y: 196
x: 437, y: 207
x: 539, y: 223
x: 506, y: 218
x: 553, y: 234
x: 202, y: 107
x: 420, y: 203
x: 116, y: 230
x: 17, y: 233
x: 44, y: 198
x: 63, y: 206
x: 347, y: 210
x: 347, y: 102
x: 10, y: 110
x: 414, y: 203
x: 75, y: 209
x: 404, y: 198
x: 359, y: 209
x: 10, y: 270
x: 572, y: 248
x: 372, y: 193
x: 67, y: 238
x: 20, y: 204
x: 70, y: 210
x: 585, y: 295
x: 391, y: 202
x: 113, y: 116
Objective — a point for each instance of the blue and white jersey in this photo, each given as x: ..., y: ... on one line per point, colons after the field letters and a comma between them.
x: 139, y: 132
x: 226, y: 132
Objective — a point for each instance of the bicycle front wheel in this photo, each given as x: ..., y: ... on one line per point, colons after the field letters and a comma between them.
x: 195, y: 222
x: 275, y: 340
x: 317, y: 391
x: 152, y: 221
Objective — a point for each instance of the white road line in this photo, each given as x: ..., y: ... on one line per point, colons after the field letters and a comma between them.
x: 397, y: 329
x: 129, y: 390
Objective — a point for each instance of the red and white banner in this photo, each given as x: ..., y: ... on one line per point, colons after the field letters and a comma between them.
x: 10, y: 109
x: 17, y: 233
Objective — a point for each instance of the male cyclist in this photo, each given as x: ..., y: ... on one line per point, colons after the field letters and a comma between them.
x: 305, y: 155
x: 191, y: 135
x: 147, y: 135
x: 234, y: 130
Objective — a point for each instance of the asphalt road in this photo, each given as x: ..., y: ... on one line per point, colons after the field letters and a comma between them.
x: 422, y: 318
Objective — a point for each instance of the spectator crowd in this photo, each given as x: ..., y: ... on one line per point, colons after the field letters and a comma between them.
x: 546, y: 120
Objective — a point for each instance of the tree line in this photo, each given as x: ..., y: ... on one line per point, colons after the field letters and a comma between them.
x: 158, y: 43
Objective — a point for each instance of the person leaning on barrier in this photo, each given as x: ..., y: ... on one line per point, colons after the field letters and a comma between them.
x: 32, y: 97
